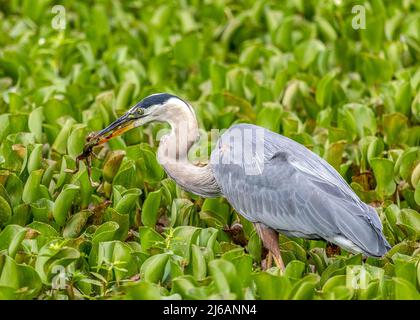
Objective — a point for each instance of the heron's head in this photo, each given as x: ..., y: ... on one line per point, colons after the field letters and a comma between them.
x: 156, y: 107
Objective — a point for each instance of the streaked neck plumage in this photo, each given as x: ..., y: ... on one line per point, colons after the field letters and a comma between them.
x: 174, y: 147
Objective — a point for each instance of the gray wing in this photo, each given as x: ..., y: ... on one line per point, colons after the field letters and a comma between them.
x: 271, y: 179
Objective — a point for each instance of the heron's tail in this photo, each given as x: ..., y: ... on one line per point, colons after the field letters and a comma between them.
x: 361, y: 230
x: 385, y: 247
x: 381, y: 246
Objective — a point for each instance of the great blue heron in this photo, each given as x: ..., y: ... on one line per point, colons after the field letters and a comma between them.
x: 284, y: 187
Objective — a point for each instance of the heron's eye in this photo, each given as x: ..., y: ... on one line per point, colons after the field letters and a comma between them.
x: 136, y: 113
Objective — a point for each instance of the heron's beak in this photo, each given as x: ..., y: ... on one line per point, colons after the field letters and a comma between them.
x: 117, y: 128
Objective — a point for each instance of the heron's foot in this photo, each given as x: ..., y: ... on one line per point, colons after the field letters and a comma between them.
x: 270, y: 241
x: 268, y: 262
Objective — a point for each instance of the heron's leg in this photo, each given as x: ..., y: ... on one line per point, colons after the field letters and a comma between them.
x: 269, y: 260
x: 89, y: 171
x: 270, y: 241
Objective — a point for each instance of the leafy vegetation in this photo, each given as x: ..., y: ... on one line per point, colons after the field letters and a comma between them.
x: 296, y: 67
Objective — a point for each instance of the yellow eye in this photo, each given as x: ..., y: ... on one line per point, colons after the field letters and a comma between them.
x: 136, y: 113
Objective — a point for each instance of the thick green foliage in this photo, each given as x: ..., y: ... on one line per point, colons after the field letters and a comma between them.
x: 296, y: 67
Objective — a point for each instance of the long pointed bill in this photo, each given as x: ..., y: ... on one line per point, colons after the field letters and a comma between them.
x: 117, y: 128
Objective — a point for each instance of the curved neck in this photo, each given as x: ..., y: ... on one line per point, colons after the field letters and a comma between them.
x: 173, y: 153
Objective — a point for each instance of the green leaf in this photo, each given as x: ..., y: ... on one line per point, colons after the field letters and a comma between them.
x: 153, y: 268
x: 11, y: 238
x: 383, y: 170
x: 128, y: 201
x: 307, y: 51
x: 406, y: 163
x: 123, y: 221
x: 61, y: 141
x: 188, y: 288
x: 124, y: 96
x: 76, y: 140
x: 31, y: 190
x: 375, y: 69
x: 187, y: 51
x: 270, y: 287
x: 403, y: 98
x: 112, y: 164
x: 14, y: 188
x: 150, y: 210
x: 283, y: 34
x: 42, y: 210
x: 254, y: 247
x: 149, y: 239
x: 158, y: 68
x: 319, y: 258
x: 76, y: 224
x: 181, y: 211
x: 270, y: 116
x: 394, y: 125
x: 404, y: 290
x: 375, y: 149
x: 35, y: 159
x: 53, y: 257
x: 141, y: 291
x: 417, y: 194
x: 5, y: 211
x: 326, y: 28
x: 364, y: 117
x: 335, y: 288
x: 409, y: 222
x: 294, y: 269
x: 182, y: 239
x: 149, y: 165
x: 199, y: 265
x: 334, y: 153
x: 304, y: 289
x: 105, y: 232
x: 35, y: 121
x: 63, y: 203
x: 117, y: 256
x: 23, y: 279
x: 405, y: 267
x: 225, y: 277
x: 324, y: 90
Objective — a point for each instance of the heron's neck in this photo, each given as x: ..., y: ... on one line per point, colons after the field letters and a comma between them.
x: 173, y: 154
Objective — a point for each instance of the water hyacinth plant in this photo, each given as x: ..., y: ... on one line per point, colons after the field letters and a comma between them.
x: 340, y: 77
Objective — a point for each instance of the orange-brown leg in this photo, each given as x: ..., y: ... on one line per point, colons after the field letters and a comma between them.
x: 270, y: 239
x: 89, y: 171
x: 269, y: 260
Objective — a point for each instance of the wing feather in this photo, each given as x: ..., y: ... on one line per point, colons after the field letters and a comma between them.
x: 292, y: 190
